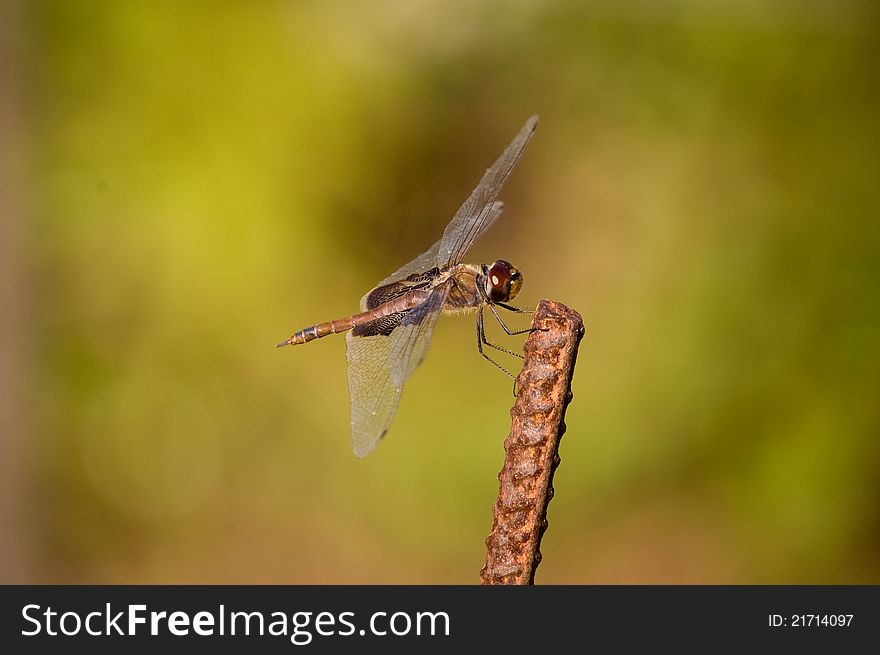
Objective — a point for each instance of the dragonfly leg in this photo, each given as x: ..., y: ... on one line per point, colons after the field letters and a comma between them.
x: 515, y: 310
x: 501, y: 348
x: 481, y: 339
x: 504, y: 327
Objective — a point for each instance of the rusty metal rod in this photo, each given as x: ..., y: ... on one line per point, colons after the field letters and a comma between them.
x: 519, y: 515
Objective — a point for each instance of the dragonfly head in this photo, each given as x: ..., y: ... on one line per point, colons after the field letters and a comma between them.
x: 503, y: 281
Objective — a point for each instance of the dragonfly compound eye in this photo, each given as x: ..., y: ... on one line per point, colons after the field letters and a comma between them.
x: 499, y: 280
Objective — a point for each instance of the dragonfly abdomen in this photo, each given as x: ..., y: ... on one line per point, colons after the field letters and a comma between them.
x: 322, y: 330
x: 402, y: 303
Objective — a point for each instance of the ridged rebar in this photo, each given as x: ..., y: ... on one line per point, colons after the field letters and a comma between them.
x: 532, y: 447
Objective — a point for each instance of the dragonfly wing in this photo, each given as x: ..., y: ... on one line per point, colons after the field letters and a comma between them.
x: 373, y: 396
x: 416, y: 273
x: 416, y: 328
x: 473, y: 218
x: 378, y: 366
x: 477, y: 213
x: 424, y: 262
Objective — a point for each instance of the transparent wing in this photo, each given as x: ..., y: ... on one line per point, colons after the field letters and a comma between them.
x: 379, y: 365
x: 475, y: 216
x: 424, y: 262
x: 428, y: 259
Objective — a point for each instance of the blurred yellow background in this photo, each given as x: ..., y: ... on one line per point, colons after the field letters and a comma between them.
x: 188, y: 183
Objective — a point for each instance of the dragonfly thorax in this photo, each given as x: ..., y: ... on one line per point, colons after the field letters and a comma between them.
x: 502, y: 281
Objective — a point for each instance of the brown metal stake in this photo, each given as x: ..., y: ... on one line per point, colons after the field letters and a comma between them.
x: 531, y: 450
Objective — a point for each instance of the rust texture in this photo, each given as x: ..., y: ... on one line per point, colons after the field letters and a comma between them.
x: 531, y: 450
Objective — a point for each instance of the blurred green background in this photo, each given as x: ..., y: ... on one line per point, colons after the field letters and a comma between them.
x: 191, y: 182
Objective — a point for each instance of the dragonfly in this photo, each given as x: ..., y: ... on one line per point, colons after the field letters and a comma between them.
x: 389, y: 337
